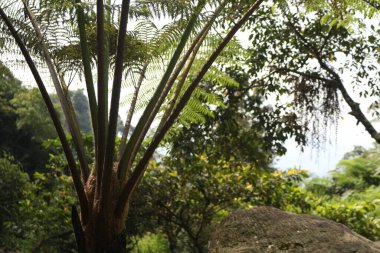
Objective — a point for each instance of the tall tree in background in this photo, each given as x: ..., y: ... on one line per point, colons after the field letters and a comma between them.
x: 80, y: 103
x: 105, y: 188
x: 17, y: 138
x: 82, y: 110
x: 318, y: 63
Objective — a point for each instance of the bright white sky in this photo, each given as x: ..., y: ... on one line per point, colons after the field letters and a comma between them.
x: 319, y: 162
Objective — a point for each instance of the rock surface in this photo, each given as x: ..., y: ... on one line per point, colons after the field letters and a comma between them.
x: 267, y: 229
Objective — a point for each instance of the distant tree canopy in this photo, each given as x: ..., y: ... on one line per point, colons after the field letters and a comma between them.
x: 17, y: 133
x: 80, y: 104
x: 25, y: 122
x: 11, y: 174
x: 350, y: 194
x: 356, y: 172
x: 35, y: 209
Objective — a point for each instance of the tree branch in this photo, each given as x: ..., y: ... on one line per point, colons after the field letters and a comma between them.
x: 337, y: 81
x: 314, y: 76
x: 354, y: 106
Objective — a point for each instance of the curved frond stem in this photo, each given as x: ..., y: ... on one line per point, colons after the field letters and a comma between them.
x: 123, y: 141
x: 86, y: 60
x: 78, y: 231
x: 54, y: 116
x: 186, y: 64
x: 137, y: 174
x: 63, y: 97
x: 76, y: 133
x: 107, y: 26
x: 102, y: 90
x: 156, y: 101
x: 114, y: 111
x: 181, y: 82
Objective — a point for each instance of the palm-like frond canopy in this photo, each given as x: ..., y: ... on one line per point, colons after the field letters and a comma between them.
x: 169, y: 67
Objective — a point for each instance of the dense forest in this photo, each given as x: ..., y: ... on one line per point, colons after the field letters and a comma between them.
x: 148, y: 122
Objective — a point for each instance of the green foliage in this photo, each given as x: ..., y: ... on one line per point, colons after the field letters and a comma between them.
x: 215, y: 167
x: 356, y: 173
x: 43, y: 221
x: 214, y: 85
x: 351, y: 194
x: 152, y: 243
x: 320, y: 186
x: 82, y: 110
x: 13, y: 184
x: 33, y: 115
x: 190, y: 198
x: 282, y: 189
x: 358, y: 216
x: 20, y: 141
x: 343, y: 12
x: 241, y: 129
x: 370, y: 194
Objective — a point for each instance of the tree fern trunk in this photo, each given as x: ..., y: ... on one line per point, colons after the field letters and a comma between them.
x: 104, y: 231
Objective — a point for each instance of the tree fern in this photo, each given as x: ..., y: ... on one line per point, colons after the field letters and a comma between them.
x: 104, y: 196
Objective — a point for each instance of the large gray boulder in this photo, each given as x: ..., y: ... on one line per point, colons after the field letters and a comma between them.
x: 267, y: 229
